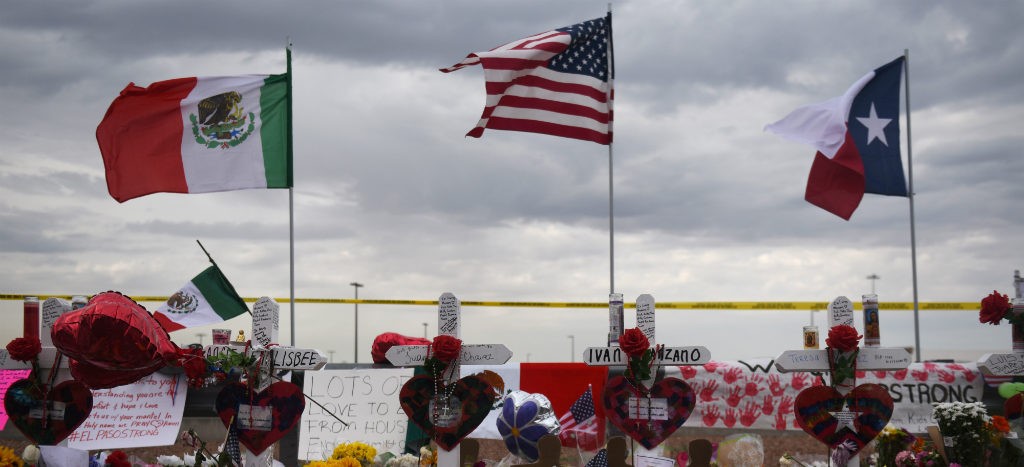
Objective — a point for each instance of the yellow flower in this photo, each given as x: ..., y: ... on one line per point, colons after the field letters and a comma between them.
x: 359, y: 451
x: 9, y: 459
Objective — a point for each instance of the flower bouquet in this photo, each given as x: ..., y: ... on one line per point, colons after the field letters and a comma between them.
x: 354, y: 454
x: 966, y: 431
x: 890, y: 442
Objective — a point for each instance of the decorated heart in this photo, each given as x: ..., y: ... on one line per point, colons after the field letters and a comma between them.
x: 868, y: 405
x: 112, y: 341
x: 469, y: 401
x: 523, y: 420
x: 261, y: 418
x: 67, y: 405
x: 671, y: 402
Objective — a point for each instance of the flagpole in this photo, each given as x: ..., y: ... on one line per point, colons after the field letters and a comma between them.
x: 910, y: 196
x: 611, y: 203
x: 291, y: 203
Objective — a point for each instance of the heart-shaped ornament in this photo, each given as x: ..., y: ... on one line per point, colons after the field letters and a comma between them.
x: 648, y: 420
x: 67, y: 405
x: 833, y: 419
x: 467, y: 404
x: 261, y: 418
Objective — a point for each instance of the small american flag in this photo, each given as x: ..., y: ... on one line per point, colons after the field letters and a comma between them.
x: 579, y: 424
x: 557, y: 82
x: 599, y: 460
x: 231, y: 445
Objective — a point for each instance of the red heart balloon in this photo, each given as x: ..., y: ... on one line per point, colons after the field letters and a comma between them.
x: 473, y: 397
x: 871, y: 406
x: 67, y: 405
x: 261, y: 418
x: 678, y: 398
x: 112, y: 341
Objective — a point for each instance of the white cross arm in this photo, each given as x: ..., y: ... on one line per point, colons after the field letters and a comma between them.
x: 614, y: 356
x: 472, y: 354
x: 285, y: 358
x: 45, y: 357
x: 869, y: 358
x: 1002, y: 364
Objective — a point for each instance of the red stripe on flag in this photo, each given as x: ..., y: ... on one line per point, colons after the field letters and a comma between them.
x: 547, y: 128
x: 499, y: 87
x: 837, y: 185
x: 166, y: 323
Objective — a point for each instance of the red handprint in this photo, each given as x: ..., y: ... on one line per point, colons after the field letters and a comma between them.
x: 734, y: 396
x: 956, y: 366
x: 786, y: 406
x: 731, y: 375
x: 707, y: 391
x: 879, y: 374
x: 710, y: 367
x: 768, y: 404
x: 780, y: 421
x: 946, y: 377
x: 799, y: 381
x: 900, y: 374
x: 775, y: 385
x: 687, y: 372
x: 818, y: 381
x: 730, y: 417
x: 750, y: 413
x: 710, y: 414
x: 860, y: 374
x: 920, y: 375
x: 930, y: 366
x: 753, y: 385
x: 970, y: 375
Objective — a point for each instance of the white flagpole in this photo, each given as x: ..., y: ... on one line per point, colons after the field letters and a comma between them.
x: 291, y: 205
x: 910, y: 196
x: 611, y: 204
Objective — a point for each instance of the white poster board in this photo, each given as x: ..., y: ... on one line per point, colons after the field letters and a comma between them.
x: 142, y: 414
x: 366, y: 399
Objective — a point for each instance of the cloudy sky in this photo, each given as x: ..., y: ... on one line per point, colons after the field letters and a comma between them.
x: 388, y: 192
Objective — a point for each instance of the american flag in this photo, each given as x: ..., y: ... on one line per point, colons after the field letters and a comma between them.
x: 231, y: 445
x: 579, y: 423
x: 557, y: 82
x: 599, y: 460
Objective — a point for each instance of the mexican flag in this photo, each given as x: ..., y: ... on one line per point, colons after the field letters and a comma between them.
x: 198, y: 135
x: 209, y: 298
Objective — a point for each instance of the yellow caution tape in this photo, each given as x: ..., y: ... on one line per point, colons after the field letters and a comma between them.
x: 660, y: 305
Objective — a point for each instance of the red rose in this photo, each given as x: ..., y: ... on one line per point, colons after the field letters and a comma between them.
x: 634, y: 342
x: 994, y: 308
x: 843, y: 338
x: 118, y: 459
x: 24, y: 349
x: 194, y: 363
x: 446, y: 348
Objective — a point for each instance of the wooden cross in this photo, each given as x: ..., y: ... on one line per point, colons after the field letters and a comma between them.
x: 1008, y: 364
x: 449, y: 309
x: 840, y: 311
x: 614, y: 356
x: 263, y: 345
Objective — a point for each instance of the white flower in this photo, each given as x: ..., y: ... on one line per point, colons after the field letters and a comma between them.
x: 31, y: 454
x: 169, y: 461
x: 785, y: 462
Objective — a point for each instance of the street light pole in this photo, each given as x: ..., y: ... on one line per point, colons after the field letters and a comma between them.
x: 356, y: 286
x: 873, y: 277
x: 572, y: 343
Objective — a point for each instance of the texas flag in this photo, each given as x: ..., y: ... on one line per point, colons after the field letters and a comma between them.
x: 857, y: 136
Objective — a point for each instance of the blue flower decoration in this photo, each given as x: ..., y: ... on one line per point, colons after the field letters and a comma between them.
x: 524, y: 419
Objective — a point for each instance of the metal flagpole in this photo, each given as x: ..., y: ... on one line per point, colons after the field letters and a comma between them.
x: 291, y: 204
x: 910, y: 176
x: 611, y: 203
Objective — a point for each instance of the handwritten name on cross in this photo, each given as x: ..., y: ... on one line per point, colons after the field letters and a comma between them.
x: 449, y: 310
x: 614, y: 356
x: 840, y: 311
x: 647, y: 408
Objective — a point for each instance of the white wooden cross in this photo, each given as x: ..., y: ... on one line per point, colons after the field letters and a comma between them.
x: 840, y: 311
x: 449, y: 309
x: 647, y: 408
x: 1007, y: 364
x: 265, y: 320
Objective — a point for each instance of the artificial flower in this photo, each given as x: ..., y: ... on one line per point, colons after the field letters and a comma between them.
x: 634, y: 342
x: 31, y: 454
x: 24, y: 349
x: 994, y: 308
x: 446, y: 348
x: 999, y: 424
x: 9, y: 459
x: 117, y: 459
x: 170, y: 461
x: 843, y: 338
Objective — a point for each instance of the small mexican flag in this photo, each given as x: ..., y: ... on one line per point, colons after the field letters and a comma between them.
x: 198, y: 135
x: 209, y: 298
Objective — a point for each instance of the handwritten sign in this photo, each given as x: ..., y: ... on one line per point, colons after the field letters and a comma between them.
x: 642, y: 408
x: 265, y: 321
x: 448, y: 315
x: 1002, y: 364
x: 840, y: 311
x: 145, y: 413
x: 365, y: 399
x: 472, y: 354
x: 7, y: 377
x: 645, y: 315
x: 613, y: 356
